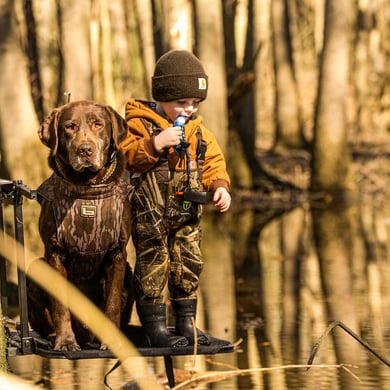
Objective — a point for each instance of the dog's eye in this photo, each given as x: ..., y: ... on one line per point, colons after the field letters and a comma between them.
x: 70, y: 126
x: 98, y: 125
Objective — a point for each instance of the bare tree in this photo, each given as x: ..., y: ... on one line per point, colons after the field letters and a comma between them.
x: 75, y: 19
x: 214, y: 110
x: 331, y: 173
x: 125, y: 76
x: 370, y: 78
x: 18, y: 120
x: 102, y: 53
x: 33, y: 59
x: 179, y: 24
x: 146, y: 19
x: 240, y: 94
x: 48, y: 58
x: 288, y: 119
x: 331, y: 167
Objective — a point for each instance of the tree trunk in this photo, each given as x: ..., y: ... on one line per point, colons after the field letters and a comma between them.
x: 121, y: 53
x: 106, y: 55
x: 214, y: 109
x: 264, y: 87
x: 382, y: 61
x: 240, y: 78
x: 50, y: 66
x: 331, y: 176
x: 331, y: 159
x: 75, y: 19
x: 146, y: 28
x: 287, y: 105
x: 139, y: 59
x: 211, y: 53
x: 33, y: 60
x: 18, y: 121
x: 179, y: 24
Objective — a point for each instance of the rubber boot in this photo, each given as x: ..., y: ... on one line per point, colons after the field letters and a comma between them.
x: 185, y: 312
x: 153, y: 320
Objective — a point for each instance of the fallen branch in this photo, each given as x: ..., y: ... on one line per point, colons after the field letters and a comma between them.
x: 221, y: 375
x: 333, y: 325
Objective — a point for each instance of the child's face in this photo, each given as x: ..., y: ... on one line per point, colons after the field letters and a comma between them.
x: 185, y: 107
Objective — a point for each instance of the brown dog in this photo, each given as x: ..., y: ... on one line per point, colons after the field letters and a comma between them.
x: 85, y: 219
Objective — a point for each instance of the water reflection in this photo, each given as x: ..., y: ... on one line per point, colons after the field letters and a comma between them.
x: 275, y: 297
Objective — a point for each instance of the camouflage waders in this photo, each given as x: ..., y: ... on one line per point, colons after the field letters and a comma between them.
x: 166, y: 235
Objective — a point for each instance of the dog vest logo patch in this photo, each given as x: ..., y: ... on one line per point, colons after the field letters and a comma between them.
x: 88, y: 210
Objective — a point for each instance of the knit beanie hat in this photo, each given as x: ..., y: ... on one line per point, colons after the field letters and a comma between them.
x: 178, y: 74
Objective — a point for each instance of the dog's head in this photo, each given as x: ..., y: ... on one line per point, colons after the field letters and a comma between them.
x: 83, y: 134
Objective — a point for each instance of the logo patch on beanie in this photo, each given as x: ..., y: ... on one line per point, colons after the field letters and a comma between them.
x: 202, y: 83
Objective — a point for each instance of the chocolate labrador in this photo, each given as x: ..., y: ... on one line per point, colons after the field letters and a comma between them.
x: 84, y: 221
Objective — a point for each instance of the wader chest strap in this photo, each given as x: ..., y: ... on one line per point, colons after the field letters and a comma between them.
x: 200, y: 152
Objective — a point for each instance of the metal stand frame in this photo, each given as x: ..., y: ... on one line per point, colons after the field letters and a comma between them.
x: 12, y: 192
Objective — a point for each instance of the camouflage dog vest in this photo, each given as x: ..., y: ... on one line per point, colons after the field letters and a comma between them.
x: 88, y: 220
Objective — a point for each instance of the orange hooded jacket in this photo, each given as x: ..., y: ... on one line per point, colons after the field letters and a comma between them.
x: 141, y: 155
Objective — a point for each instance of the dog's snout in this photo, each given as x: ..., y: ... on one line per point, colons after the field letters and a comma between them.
x: 85, y: 149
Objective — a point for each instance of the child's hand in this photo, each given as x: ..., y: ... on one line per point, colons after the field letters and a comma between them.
x: 168, y: 137
x: 222, y: 199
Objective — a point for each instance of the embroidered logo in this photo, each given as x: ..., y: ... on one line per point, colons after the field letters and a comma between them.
x: 202, y: 83
x: 88, y: 210
x: 187, y: 205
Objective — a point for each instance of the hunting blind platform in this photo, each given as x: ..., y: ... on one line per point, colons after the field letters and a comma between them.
x: 21, y: 340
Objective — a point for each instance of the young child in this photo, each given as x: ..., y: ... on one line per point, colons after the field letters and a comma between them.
x: 171, y: 172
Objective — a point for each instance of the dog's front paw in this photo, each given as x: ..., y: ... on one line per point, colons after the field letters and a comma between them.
x: 66, y: 344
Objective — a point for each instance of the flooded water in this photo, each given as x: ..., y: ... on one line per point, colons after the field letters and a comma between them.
x: 274, y: 303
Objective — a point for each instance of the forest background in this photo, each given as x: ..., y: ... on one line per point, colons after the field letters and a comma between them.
x: 299, y: 100
x: 282, y: 73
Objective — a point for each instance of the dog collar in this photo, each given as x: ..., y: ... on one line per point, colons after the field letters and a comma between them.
x: 107, y: 173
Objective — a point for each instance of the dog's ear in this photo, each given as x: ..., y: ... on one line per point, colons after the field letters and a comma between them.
x: 118, y: 126
x: 48, y: 132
